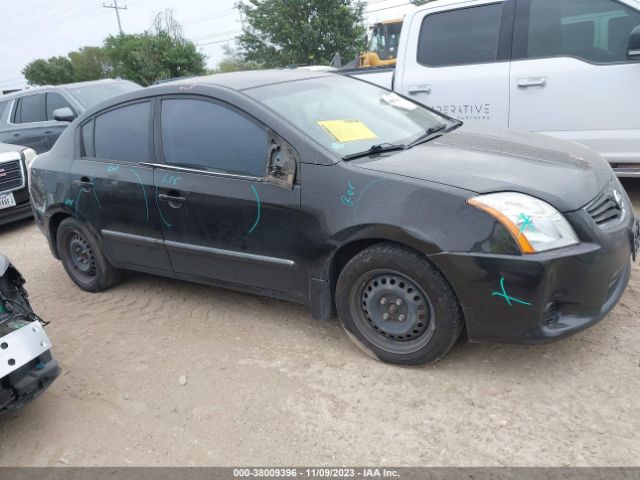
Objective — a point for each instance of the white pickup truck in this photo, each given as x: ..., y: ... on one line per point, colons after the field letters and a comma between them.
x: 566, y: 68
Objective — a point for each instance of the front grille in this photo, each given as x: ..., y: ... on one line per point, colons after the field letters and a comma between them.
x: 604, y: 208
x: 11, y: 175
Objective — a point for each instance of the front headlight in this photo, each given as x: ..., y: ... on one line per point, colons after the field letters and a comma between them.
x: 535, y: 225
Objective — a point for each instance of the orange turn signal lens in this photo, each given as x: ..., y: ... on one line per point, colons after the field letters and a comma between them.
x: 518, y: 236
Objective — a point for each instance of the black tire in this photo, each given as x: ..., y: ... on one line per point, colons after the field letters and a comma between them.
x: 397, y: 307
x: 82, y: 258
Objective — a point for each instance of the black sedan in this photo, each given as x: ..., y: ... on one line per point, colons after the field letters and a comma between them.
x: 335, y: 193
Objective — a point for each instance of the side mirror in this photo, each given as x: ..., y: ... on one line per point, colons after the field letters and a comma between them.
x: 64, y: 114
x: 633, y: 48
x: 282, y: 166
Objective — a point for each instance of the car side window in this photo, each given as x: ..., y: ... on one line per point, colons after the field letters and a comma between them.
x: 3, y: 106
x: 123, y: 133
x: 596, y: 31
x: 30, y: 109
x: 442, y: 42
x: 208, y: 136
x: 86, y: 136
x: 55, y: 101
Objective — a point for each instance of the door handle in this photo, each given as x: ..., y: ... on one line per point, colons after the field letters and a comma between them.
x: 532, y: 82
x: 84, y: 183
x: 420, y: 89
x: 17, y: 134
x: 47, y: 132
x: 173, y: 199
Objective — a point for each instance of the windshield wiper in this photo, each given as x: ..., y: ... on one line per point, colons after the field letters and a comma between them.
x: 430, y: 131
x: 378, y: 148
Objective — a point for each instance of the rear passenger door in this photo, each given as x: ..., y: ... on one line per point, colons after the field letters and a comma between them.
x: 457, y: 61
x: 27, y: 122
x: 113, y: 193
x: 222, y: 218
x: 571, y: 77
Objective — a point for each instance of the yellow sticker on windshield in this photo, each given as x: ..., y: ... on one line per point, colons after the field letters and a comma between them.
x: 347, y: 130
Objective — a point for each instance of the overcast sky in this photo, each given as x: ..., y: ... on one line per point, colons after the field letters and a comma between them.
x: 44, y: 28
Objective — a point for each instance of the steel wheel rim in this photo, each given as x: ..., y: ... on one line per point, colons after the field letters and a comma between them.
x: 392, y: 311
x: 82, y: 259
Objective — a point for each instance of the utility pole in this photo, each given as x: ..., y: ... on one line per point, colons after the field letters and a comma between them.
x: 241, y: 16
x: 117, y: 9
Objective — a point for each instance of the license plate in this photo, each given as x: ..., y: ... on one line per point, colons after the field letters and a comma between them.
x: 7, y: 200
x: 635, y: 245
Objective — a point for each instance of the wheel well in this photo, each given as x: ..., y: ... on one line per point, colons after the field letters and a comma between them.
x: 346, y: 253
x: 54, y: 223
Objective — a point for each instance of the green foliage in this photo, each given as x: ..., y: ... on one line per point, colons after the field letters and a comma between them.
x: 284, y: 32
x: 233, y: 61
x: 420, y: 2
x: 90, y: 63
x: 54, y: 71
x: 159, y: 53
x: 147, y: 57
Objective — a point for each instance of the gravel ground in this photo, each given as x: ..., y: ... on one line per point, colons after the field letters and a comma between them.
x: 266, y: 385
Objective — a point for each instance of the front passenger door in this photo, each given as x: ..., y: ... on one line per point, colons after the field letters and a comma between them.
x: 223, y: 218
x: 53, y: 128
x: 571, y: 77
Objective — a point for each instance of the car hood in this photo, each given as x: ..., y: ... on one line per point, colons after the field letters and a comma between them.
x: 565, y: 174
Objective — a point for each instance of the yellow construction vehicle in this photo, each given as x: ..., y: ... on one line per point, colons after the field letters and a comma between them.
x: 383, y: 44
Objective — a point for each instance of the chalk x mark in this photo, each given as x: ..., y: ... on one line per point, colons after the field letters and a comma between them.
x: 159, y: 210
x: 95, y: 190
x: 78, y: 200
x: 355, y: 210
x: 259, y: 213
x: 507, y: 297
x: 527, y: 222
x: 144, y: 191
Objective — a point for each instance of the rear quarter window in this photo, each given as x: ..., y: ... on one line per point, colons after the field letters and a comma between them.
x: 3, y: 108
x: 30, y: 109
x: 123, y: 133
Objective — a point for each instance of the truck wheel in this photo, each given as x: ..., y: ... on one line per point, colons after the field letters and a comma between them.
x: 82, y: 258
x: 397, y: 307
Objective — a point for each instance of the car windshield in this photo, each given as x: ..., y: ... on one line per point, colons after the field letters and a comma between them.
x: 90, y: 95
x: 347, y: 116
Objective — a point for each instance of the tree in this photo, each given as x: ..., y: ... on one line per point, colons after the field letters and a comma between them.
x: 234, y: 61
x: 156, y: 54
x: 159, y: 53
x: 283, y: 32
x: 90, y: 63
x: 54, y: 71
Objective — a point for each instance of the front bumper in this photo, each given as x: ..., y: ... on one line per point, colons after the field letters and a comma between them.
x: 13, y: 214
x: 25, y: 384
x: 26, y: 366
x: 546, y: 296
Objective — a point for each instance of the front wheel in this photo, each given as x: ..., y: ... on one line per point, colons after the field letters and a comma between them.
x: 398, y: 307
x: 82, y: 258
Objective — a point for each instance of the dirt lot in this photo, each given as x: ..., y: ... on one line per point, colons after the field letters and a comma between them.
x: 266, y: 385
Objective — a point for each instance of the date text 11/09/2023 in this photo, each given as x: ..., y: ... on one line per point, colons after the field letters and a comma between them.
x: 316, y: 472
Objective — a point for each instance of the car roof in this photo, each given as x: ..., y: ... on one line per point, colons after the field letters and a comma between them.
x: 252, y: 79
x: 66, y: 86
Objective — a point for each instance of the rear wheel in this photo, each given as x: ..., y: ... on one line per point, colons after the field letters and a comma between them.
x: 82, y: 258
x: 398, y: 307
